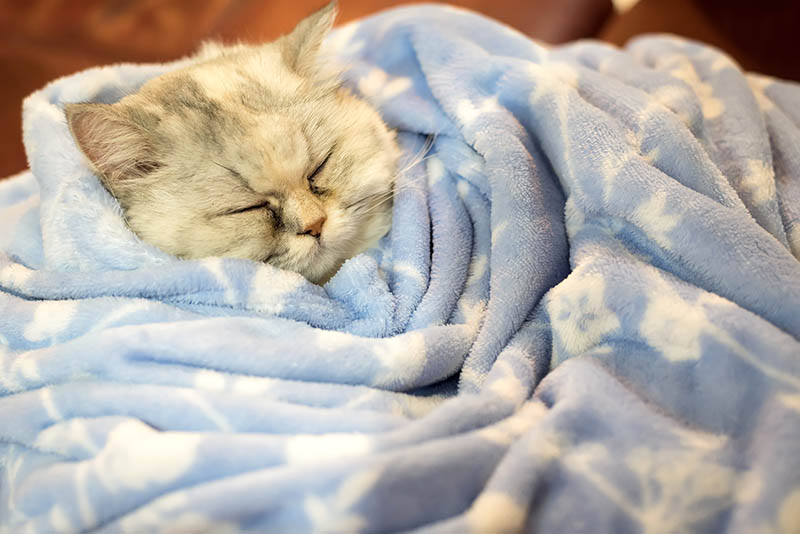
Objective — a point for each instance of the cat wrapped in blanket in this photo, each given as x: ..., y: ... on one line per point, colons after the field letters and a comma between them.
x: 249, y: 152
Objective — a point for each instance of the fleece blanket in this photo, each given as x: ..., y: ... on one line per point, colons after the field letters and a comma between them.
x: 584, y: 319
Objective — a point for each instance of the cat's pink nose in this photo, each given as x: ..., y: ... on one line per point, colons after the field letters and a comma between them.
x: 314, y: 228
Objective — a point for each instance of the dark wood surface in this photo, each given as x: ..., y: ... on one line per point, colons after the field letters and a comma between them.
x: 44, y: 39
x: 761, y: 36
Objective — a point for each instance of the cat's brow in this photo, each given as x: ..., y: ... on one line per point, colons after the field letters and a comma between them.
x: 271, y: 193
x: 233, y: 172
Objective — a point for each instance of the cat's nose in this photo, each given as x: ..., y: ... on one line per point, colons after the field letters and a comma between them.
x: 314, y: 228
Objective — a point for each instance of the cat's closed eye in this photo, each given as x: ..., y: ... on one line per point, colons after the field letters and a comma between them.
x: 261, y: 205
x: 267, y: 205
x: 313, y: 176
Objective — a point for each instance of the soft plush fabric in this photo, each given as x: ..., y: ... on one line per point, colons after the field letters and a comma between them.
x: 585, y: 318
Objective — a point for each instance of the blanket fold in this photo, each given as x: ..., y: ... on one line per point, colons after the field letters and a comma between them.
x: 585, y: 318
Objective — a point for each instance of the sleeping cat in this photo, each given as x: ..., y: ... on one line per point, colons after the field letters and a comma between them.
x: 248, y: 152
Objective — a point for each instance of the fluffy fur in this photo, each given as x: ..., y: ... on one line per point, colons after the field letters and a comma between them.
x: 249, y: 152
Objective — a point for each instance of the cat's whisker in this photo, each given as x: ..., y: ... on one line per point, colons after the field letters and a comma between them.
x: 370, y: 202
x: 377, y: 203
x: 383, y: 196
x: 420, y: 156
x: 398, y: 187
x: 414, y: 163
x: 374, y: 206
x: 370, y: 210
x: 360, y: 202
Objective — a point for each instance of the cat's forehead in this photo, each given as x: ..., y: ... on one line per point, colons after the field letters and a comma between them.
x: 244, y: 85
x: 258, y: 71
x: 249, y: 112
x: 278, y: 153
x: 220, y: 81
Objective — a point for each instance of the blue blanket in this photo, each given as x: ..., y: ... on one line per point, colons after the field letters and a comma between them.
x: 585, y: 318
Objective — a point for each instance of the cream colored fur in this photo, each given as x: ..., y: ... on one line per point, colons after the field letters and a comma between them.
x: 245, y: 127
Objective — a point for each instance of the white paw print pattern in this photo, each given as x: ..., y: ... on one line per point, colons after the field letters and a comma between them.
x: 136, y: 456
x: 579, y: 315
x: 379, y: 87
x: 50, y: 318
x: 334, y: 512
x: 712, y: 106
x: 657, y: 218
x: 468, y: 112
x: 759, y: 182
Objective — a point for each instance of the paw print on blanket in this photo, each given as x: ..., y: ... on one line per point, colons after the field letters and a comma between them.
x: 378, y: 87
x: 334, y: 512
x: 579, y: 315
x: 667, y: 485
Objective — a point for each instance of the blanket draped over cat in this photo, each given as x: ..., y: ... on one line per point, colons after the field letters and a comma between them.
x: 585, y: 316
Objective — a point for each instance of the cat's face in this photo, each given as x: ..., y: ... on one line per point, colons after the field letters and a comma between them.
x: 247, y: 153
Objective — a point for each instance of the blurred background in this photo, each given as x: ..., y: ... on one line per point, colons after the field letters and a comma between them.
x: 44, y: 39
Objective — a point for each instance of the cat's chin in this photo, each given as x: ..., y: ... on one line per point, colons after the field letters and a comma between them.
x: 320, y: 272
x: 319, y: 262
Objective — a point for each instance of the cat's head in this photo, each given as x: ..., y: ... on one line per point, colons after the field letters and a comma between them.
x: 249, y: 152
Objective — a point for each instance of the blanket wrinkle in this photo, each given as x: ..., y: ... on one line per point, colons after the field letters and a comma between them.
x: 586, y: 314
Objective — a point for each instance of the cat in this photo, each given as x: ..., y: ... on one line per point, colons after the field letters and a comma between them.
x: 250, y: 151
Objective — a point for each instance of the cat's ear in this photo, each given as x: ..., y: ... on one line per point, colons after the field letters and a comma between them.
x: 117, y: 148
x: 300, y: 47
